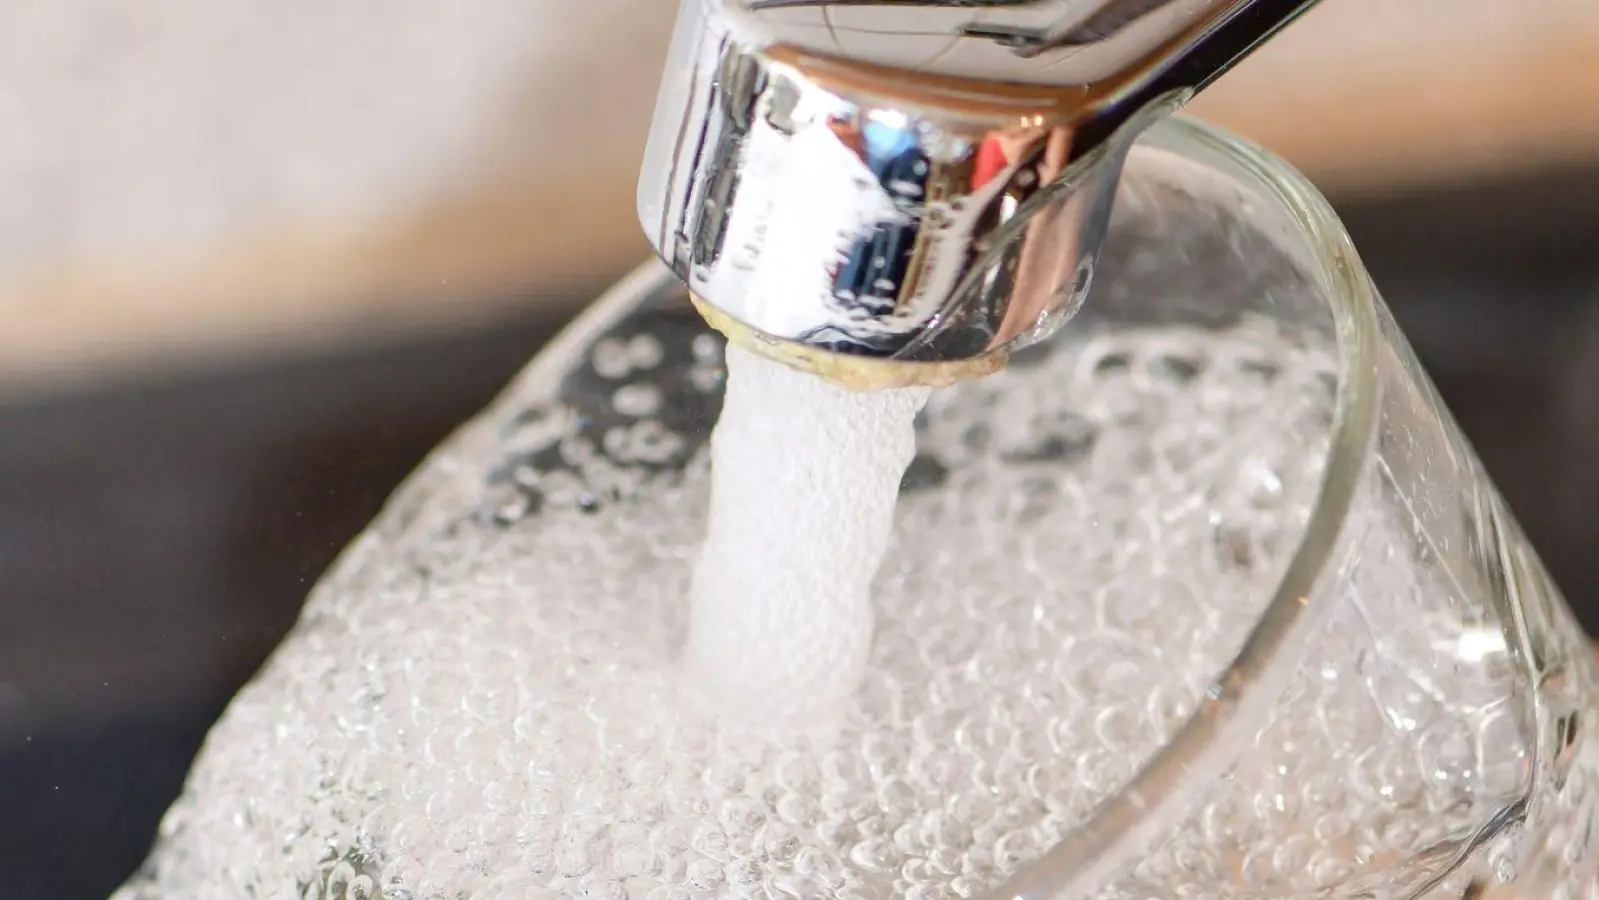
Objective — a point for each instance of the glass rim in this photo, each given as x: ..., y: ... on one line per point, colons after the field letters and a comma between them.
x: 1244, y: 693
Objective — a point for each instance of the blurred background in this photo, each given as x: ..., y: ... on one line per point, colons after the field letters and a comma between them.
x: 256, y: 259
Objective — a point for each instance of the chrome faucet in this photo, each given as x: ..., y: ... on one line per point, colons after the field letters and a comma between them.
x: 889, y: 192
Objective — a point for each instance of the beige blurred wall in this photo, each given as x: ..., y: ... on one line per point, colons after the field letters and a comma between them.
x: 184, y: 178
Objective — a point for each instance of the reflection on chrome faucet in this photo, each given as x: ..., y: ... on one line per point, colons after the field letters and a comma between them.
x: 922, y: 193
x: 1027, y: 27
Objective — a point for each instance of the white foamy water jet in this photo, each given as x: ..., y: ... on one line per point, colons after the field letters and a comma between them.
x: 804, y: 478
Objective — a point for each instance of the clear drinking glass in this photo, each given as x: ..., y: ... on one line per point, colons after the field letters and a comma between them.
x: 1205, y: 596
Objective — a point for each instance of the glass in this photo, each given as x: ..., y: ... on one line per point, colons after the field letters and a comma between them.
x: 1205, y: 596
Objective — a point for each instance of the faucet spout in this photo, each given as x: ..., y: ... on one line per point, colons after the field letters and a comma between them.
x: 893, y: 192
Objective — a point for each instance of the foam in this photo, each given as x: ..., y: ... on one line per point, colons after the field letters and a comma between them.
x: 495, y: 710
x: 804, y: 478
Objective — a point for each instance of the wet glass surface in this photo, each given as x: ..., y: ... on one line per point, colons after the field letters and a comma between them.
x: 156, y: 539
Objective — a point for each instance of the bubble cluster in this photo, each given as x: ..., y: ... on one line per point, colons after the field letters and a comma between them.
x: 491, y: 708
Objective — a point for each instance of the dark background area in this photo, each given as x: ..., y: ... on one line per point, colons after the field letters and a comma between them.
x: 156, y: 539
